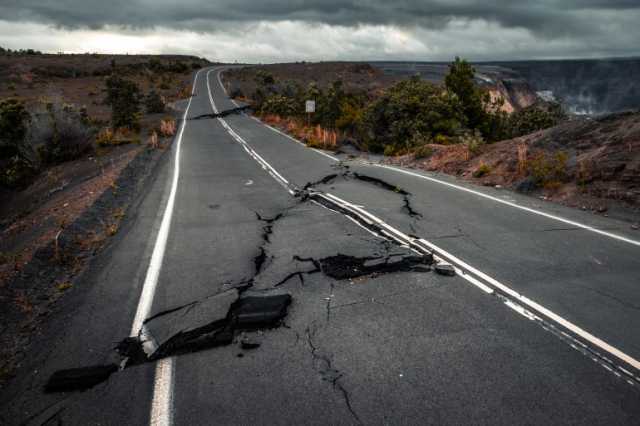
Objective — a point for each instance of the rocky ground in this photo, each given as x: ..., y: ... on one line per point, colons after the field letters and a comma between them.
x: 588, y: 163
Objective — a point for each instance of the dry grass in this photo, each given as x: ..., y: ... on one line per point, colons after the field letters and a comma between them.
x: 313, y: 136
x: 152, y: 142
x: 522, y: 159
x: 167, y: 127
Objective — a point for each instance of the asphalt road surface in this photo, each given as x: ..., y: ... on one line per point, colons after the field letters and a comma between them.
x: 539, y: 325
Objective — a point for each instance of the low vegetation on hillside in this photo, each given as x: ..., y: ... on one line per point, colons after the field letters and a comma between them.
x: 91, y: 101
x: 398, y: 119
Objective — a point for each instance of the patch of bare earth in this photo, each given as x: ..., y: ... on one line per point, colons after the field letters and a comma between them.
x: 593, y: 164
x: 43, y: 246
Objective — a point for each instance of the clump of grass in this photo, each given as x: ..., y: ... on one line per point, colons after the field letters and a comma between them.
x: 522, y: 159
x: 63, y: 286
x: 168, y: 127
x: 111, y: 229
x: 121, y: 136
x: 153, y: 140
x: 548, y: 171
x: 323, y: 139
x: 482, y: 170
x: 423, y: 151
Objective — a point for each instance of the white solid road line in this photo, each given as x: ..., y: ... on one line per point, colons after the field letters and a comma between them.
x: 512, y: 298
x: 478, y: 193
x: 329, y: 156
x: 162, y: 401
x: 514, y: 205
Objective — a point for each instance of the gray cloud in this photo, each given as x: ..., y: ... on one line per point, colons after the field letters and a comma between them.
x: 291, y: 29
x: 544, y: 17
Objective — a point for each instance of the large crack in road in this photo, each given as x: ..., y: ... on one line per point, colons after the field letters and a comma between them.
x: 223, y: 318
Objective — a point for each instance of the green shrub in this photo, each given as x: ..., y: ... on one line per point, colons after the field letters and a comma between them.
x: 264, y: 78
x: 535, y: 117
x: 154, y: 103
x: 408, y: 108
x: 547, y: 170
x: 279, y: 105
x: 423, y: 151
x: 473, y: 141
x: 483, y: 170
x: 124, y: 98
x: 60, y: 133
x: 17, y: 159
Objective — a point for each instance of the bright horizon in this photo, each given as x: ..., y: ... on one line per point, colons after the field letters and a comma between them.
x: 277, y: 31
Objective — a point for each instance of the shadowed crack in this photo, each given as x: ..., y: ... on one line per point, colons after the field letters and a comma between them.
x: 389, y: 187
x: 342, y: 266
x: 224, y: 113
x: 324, y: 365
x: 407, y: 207
x: 267, y: 230
x: 325, y: 180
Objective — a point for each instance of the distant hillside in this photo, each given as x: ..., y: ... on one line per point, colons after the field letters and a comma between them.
x: 584, y: 86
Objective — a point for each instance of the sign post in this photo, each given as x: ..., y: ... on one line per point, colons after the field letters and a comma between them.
x: 309, y: 108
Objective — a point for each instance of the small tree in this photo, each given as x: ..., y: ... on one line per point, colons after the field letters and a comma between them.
x: 16, y: 157
x: 124, y: 98
x: 154, y: 103
x: 460, y: 81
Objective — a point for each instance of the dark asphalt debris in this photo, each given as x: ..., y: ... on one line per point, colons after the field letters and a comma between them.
x: 445, y: 269
x: 190, y: 328
x: 343, y: 266
x: 78, y: 379
x: 221, y: 113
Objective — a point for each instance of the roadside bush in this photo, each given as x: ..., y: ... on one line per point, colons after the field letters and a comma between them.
x: 60, y: 133
x: 423, y: 151
x: 168, y: 127
x: 154, y: 103
x: 124, y: 98
x: 264, y: 78
x: 473, y: 141
x: 482, y: 170
x: 17, y: 159
x: 235, y: 92
x: 279, y: 105
x: 122, y: 136
x: 535, y: 117
x: 548, y: 171
x: 480, y: 111
x: 409, y: 108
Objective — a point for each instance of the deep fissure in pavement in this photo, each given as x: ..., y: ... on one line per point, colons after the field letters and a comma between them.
x: 224, y: 113
x: 194, y: 326
x: 347, y: 174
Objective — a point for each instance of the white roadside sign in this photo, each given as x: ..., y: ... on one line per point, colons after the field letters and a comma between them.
x: 310, y: 106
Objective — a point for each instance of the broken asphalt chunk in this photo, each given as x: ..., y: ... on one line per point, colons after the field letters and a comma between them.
x: 445, y: 269
x: 343, y: 266
x: 195, y: 325
x: 77, y: 379
x: 259, y: 309
x: 250, y: 341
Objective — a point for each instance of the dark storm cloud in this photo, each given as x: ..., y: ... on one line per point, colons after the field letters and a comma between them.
x: 544, y: 17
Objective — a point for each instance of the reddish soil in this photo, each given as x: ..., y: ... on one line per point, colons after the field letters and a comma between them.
x: 55, y: 200
x: 602, y: 167
x: 50, y: 230
x: 34, y: 78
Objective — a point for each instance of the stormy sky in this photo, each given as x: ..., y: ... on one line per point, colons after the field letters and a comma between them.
x: 281, y: 30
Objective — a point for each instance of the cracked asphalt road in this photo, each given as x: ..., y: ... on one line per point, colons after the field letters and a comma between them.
x: 394, y: 345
